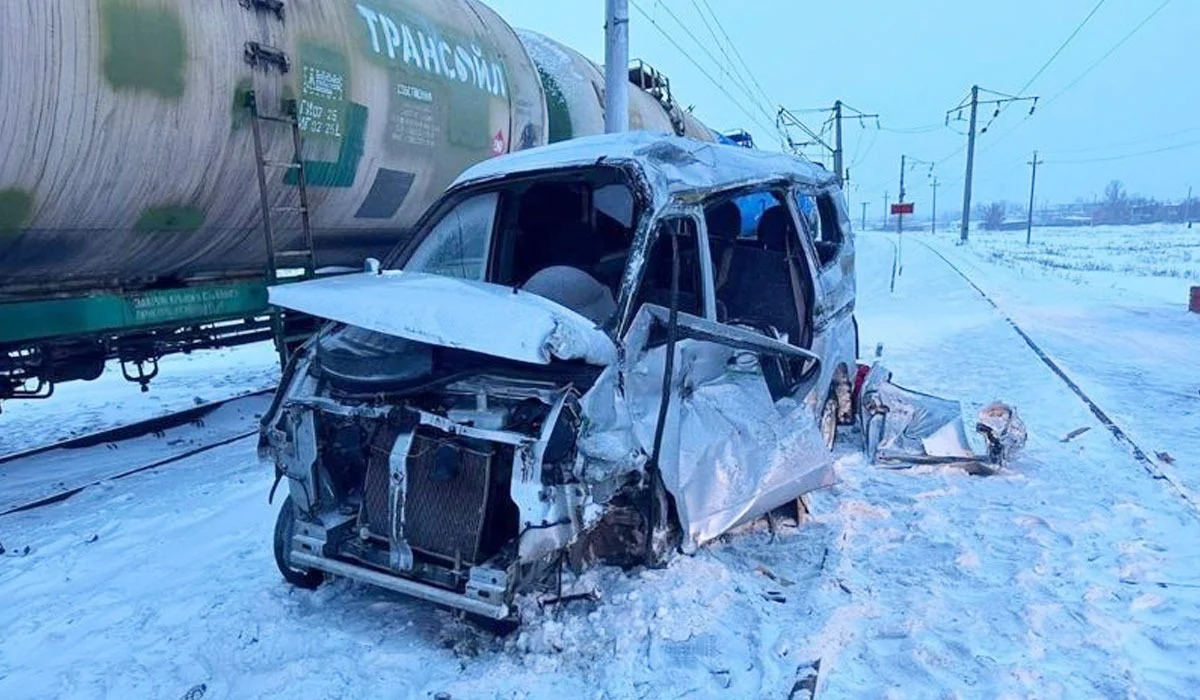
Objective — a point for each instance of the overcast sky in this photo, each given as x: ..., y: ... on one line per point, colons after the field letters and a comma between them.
x: 912, y: 61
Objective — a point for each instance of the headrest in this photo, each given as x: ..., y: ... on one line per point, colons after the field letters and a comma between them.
x: 724, y: 220
x: 548, y: 203
x: 574, y: 289
x: 774, y: 228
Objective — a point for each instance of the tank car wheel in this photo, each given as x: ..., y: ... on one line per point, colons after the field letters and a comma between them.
x: 285, y: 525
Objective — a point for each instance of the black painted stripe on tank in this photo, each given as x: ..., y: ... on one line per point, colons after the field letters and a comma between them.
x: 388, y: 192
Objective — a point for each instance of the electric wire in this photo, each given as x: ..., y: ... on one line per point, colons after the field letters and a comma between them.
x: 1110, y: 52
x: 1084, y: 74
x: 738, y: 83
x: 720, y: 45
x: 733, y: 47
x: 717, y: 84
x: 1060, y: 48
x: 1124, y: 156
x: 1135, y: 142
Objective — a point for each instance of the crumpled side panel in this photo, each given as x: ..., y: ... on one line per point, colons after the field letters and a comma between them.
x: 606, y: 439
x: 729, y: 453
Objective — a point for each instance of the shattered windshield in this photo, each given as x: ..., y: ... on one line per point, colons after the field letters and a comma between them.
x: 458, y: 244
x: 564, y: 236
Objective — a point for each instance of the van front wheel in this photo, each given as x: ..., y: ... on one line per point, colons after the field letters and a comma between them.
x: 285, y: 526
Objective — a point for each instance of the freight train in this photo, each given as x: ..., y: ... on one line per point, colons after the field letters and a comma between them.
x: 163, y: 161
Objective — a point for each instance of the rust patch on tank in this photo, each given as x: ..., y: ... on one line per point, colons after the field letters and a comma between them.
x: 170, y: 219
x: 144, y: 48
x: 15, y: 208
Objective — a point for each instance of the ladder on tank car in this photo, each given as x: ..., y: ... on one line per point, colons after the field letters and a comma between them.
x: 303, y: 258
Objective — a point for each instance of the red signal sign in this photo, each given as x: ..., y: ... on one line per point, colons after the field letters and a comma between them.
x: 902, y: 208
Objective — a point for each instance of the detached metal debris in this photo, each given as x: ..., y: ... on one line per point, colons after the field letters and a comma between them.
x: 904, y: 427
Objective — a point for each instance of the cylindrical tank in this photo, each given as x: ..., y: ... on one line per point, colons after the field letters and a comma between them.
x: 126, y: 155
x: 574, y: 88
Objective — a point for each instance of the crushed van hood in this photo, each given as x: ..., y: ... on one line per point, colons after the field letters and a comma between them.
x: 455, y: 313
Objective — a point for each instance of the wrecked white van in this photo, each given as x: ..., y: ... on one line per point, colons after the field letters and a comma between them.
x: 602, y: 350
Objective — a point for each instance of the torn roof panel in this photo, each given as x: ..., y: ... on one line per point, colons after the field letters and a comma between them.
x: 675, y: 166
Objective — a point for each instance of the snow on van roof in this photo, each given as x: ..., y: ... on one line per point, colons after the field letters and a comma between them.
x: 672, y: 164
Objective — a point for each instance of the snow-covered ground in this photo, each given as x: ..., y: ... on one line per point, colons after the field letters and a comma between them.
x: 78, y: 408
x: 1110, y: 304
x: 1074, y: 574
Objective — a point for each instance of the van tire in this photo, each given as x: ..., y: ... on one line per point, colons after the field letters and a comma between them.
x: 285, y: 525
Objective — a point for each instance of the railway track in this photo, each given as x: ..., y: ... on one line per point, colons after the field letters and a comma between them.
x: 1118, y: 433
x: 51, y: 473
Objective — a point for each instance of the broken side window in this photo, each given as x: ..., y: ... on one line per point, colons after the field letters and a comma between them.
x: 458, y: 244
x: 759, y: 278
x: 656, y: 279
x: 820, y: 220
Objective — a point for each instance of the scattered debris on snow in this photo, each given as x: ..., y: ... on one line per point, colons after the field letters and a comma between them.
x: 1075, y: 433
x: 904, y: 427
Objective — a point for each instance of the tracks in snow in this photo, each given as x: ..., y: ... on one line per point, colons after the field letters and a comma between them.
x: 1117, y: 432
x: 52, y: 473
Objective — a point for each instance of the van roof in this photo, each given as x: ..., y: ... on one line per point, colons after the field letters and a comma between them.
x: 673, y: 166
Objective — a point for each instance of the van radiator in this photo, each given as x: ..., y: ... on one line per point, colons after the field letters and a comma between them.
x: 376, y: 509
x: 445, y: 499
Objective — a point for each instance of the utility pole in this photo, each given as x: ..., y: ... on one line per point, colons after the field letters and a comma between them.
x: 1187, y: 208
x: 864, y: 218
x: 1032, y: 182
x: 846, y: 191
x: 933, y: 221
x: 966, y: 215
x: 973, y: 102
x: 616, y: 66
x: 837, y: 143
x: 885, y: 209
x: 786, y: 119
x: 900, y: 217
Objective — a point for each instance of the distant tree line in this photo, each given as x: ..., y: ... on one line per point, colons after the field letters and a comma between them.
x: 1116, y: 206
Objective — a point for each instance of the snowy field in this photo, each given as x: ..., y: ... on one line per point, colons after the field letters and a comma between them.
x: 1152, y: 262
x: 1073, y: 574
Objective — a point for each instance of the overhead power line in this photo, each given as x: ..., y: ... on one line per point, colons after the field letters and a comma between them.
x: 995, y: 142
x: 1111, y: 51
x: 1060, y: 48
x: 738, y: 54
x: 1139, y: 154
x: 1134, y: 142
x: 736, y: 80
x: 721, y: 46
x: 924, y: 129
x: 716, y: 83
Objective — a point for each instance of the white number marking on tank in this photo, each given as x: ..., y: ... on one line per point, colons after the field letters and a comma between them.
x: 328, y: 87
